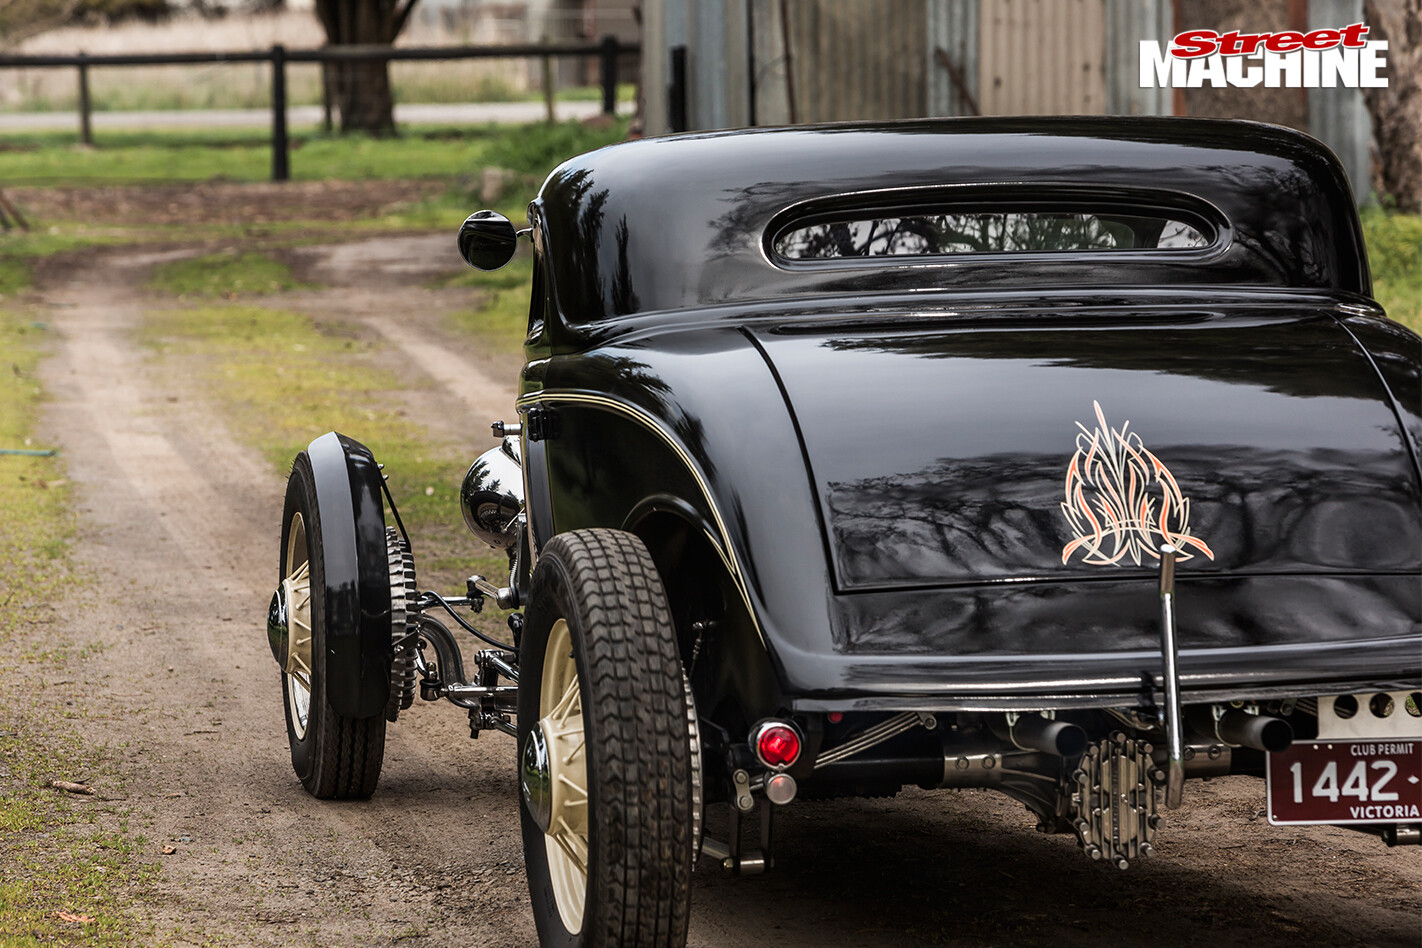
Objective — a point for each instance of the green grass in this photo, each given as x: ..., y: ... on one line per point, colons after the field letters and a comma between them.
x: 312, y: 158
x: 1395, y: 256
x: 55, y: 853
x: 537, y: 149
x: 20, y: 251
x: 51, y: 158
x: 35, y: 522
x: 16, y: 274
x: 297, y: 380
x: 281, y: 379
x: 500, y: 320
x: 223, y: 275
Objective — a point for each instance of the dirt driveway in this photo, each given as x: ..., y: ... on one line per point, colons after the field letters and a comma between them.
x: 177, y: 539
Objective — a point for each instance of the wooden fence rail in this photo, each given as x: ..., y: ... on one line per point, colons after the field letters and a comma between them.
x: 607, y: 51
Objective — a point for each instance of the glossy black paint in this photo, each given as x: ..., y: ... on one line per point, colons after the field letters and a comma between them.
x: 357, y: 575
x: 672, y: 223
x: 878, y: 452
x: 1274, y: 422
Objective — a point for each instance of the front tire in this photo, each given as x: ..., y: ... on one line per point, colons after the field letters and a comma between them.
x: 604, y: 748
x: 335, y: 757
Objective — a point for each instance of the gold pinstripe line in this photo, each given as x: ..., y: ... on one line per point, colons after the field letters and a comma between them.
x: 646, y: 419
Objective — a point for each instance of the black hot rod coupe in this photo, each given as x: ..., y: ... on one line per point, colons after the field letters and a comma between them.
x: 1070, y: 458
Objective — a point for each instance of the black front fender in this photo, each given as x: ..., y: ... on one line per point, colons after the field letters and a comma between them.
x: 358, y: 649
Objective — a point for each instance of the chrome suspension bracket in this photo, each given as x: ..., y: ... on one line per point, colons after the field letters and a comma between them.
x: 1173, y: 716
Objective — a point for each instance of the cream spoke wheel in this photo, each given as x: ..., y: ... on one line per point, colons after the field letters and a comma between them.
x: 566, y: 831
x: 604, y: 770
x: 318, y: 619
x: 298, y: 597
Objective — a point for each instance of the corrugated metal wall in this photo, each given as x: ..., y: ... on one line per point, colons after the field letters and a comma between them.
x: 717, y: 64
x: 1339, y: 117
x: 953, y: 72
x: 1042, y: 57
x: 857, y: 59
x: 1128, y: 22
x: 889, y: 59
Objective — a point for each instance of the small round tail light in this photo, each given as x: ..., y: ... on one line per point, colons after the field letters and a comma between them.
x: 777, y: 744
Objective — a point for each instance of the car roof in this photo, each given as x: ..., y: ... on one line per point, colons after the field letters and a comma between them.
x: 687, y: 220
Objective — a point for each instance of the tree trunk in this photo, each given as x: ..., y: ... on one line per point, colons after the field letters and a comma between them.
x: 362, y: 89
x: 1397, y: 110
x: 364, y: 99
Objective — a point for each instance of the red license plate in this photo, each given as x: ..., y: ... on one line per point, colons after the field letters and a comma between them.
x: 1372, y: 781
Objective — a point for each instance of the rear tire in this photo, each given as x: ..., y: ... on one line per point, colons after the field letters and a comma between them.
x: 613, y: 681
x: 336, y: 757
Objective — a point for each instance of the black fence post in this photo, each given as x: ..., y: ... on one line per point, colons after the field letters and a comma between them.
x: 281, y: 146
x: 86, y: 131
x: 676, y: 93
x: 609, y: 75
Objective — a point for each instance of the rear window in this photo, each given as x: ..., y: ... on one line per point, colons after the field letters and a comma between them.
x: 910, y: 234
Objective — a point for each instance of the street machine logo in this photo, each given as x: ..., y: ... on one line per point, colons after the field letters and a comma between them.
x: 1121, y: 501
x: 1317, y: 59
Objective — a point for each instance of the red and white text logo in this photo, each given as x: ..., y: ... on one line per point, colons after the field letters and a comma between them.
x: 1318, y: 59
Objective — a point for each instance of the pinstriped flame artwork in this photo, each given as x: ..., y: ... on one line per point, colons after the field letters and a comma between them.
x: 1122, y: 502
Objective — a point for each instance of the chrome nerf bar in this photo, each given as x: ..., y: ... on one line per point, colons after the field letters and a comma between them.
x: 1174, y: 723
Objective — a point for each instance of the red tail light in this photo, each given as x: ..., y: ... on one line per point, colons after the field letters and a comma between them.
x: 777, y: 744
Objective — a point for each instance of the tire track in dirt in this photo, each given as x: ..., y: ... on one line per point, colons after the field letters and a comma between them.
x: 481, y: 395
x: 177, y: 532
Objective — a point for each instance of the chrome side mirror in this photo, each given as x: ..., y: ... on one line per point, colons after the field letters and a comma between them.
x: 487, y: 240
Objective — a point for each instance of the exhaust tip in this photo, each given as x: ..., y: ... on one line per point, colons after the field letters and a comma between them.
x: 1050, y: 736
x: 1276, y: 735
x: 1261, y: 732
x: 1071, y: 740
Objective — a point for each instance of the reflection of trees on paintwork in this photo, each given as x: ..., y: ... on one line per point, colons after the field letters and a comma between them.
x: 579, y: 214
x: 1035, y: 619
x: 625, y: 376
x: 597, y: 290
x: 624, y: 297
x: 985, y: 232
x: 998, y: 517
x: 1303, y: 355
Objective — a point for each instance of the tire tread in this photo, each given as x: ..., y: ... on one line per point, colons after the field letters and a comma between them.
x: 640, y: 762
x: 344, y: 763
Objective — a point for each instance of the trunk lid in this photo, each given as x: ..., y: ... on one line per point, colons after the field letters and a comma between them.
x: 1042, y: 448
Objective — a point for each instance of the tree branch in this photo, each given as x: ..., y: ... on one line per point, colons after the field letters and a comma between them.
x: 402, y: 14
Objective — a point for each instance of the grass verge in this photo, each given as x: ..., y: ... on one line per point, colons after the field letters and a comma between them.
x: 223, y: 275
x: 68, y: 866
x: 1395, y: 256
x: 65, y: 876
x: 48, y: 158
x: 35, y: 523
x: 19, y: 252
x: 500, y: 321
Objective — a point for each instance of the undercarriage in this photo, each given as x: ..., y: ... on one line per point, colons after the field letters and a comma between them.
x: 1108, y: 776
x: 1102, y: 775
